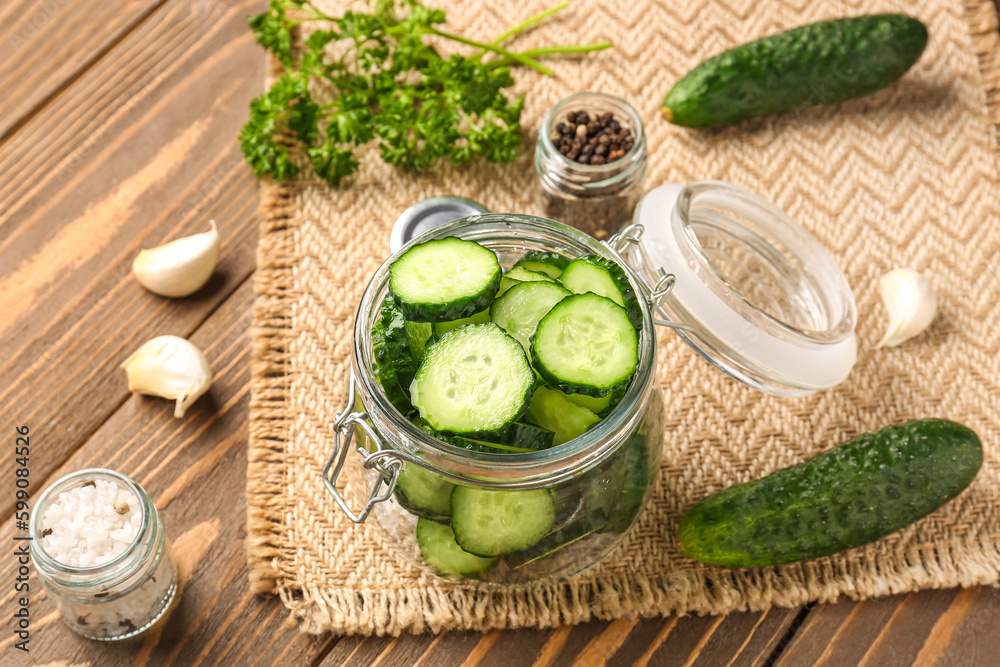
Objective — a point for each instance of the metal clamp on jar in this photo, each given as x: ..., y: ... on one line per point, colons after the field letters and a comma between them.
x: 739, y: 280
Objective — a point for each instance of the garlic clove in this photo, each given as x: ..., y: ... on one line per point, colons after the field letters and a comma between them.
x: 181, y: 267
x: 169, y: 367
x: 912, y: 304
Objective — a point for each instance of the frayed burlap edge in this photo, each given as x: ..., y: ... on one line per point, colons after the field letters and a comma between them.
x: 704, y: 591
x: 709, y: 591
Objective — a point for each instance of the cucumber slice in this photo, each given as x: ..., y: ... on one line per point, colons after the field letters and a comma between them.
x: 423, y: 493
x: 476, y: 379
x: 549, y: 544
x: 602, y: 276
x: 398, y: 352
x: 549, y: 263
x: 439, y: 549
x: 597, y: 405
x: 528, y: 437
x: 521, y: 274
x: 490, y: 523
x: 385, y: 371
x: 551, y: 410
x: 417, y: 335
x: 523, y: 305
x: 586, y: 345
x: 518, y: 275
x: 441, y: 328
x: 505, y: 284
x: 444, y: 280
x: 474, y: 445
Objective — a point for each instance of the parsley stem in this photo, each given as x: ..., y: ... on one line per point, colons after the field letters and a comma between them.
x: 515, y: 57
x: 550, y: 50
x: 527, y: 23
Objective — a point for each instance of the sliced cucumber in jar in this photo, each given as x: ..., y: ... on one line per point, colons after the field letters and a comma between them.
x: 444, y: 280
x: 527, y: 436
x: 523, y: 305
x: 489, y: 522
x: 518, y: 438
x: 602, y: 276
x: 421, y: 492
x: 475, y: 380
x: 598, y: 405
x: 417, y: 335
x: 550, y: 263
x: 440, y: 550
x: 586, y: 345
x: 551, y: 410
x: 557, y: 540
x: 518, y: 275
x: 523, y: 275
x: 441, y: 328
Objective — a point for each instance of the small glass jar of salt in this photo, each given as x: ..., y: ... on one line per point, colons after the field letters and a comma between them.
x: 99, y: 547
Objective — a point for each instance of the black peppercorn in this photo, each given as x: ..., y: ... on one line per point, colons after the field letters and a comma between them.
x: 582, y: 138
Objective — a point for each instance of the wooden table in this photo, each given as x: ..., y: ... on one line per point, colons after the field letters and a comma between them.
x: 118, y: 130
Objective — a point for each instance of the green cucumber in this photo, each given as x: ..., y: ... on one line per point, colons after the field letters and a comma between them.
x: 417, y: 336
x: 441, y: 328
x: 444, y: 280
x: 421, y: 492
x: 523, y: 305
x: 549, y: 263
x: 558, y: 539
x: 820, y: 63
x: 439, y: 549
x: 854, y: 494
x: 523, y: 275
x: 475, y: 380
x: 600, y: 406
x: 587, y: 345
x: 551, y: 410
x: 489, y: 522
x: 473, y: 445
x: 602, y: 276
x: 524, y: 436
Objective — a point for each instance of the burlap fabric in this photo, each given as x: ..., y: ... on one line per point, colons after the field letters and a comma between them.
x: 906, y: 177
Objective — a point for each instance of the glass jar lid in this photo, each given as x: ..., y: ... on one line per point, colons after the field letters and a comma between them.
x: 752, y: 291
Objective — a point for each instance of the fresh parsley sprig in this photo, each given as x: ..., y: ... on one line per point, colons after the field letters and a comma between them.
x: 389, y: 86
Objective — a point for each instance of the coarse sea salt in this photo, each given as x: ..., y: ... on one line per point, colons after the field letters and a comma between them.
x: 106, y: 557
x: 82, y: 528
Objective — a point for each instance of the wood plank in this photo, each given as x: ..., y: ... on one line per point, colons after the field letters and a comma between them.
x: 736, y: 639
x: 168, y: 164
x: 945, y: 627
x: 195, y: 471
x: 46, y: 44
x: 967, y: 633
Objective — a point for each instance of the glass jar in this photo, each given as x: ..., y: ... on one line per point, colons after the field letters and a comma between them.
x: 599, y: 481
x: 597, y: 200
x: 120, y: 598
x: 746, y: 286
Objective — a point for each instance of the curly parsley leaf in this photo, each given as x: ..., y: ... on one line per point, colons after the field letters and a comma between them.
x: 272, y: 30
x: 388, y: 86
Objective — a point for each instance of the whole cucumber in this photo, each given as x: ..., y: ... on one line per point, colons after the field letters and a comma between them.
x: 854, y: 494
x: 820, y: 63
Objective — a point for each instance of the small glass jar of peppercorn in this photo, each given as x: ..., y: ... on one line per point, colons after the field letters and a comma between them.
x: 591, y: 160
